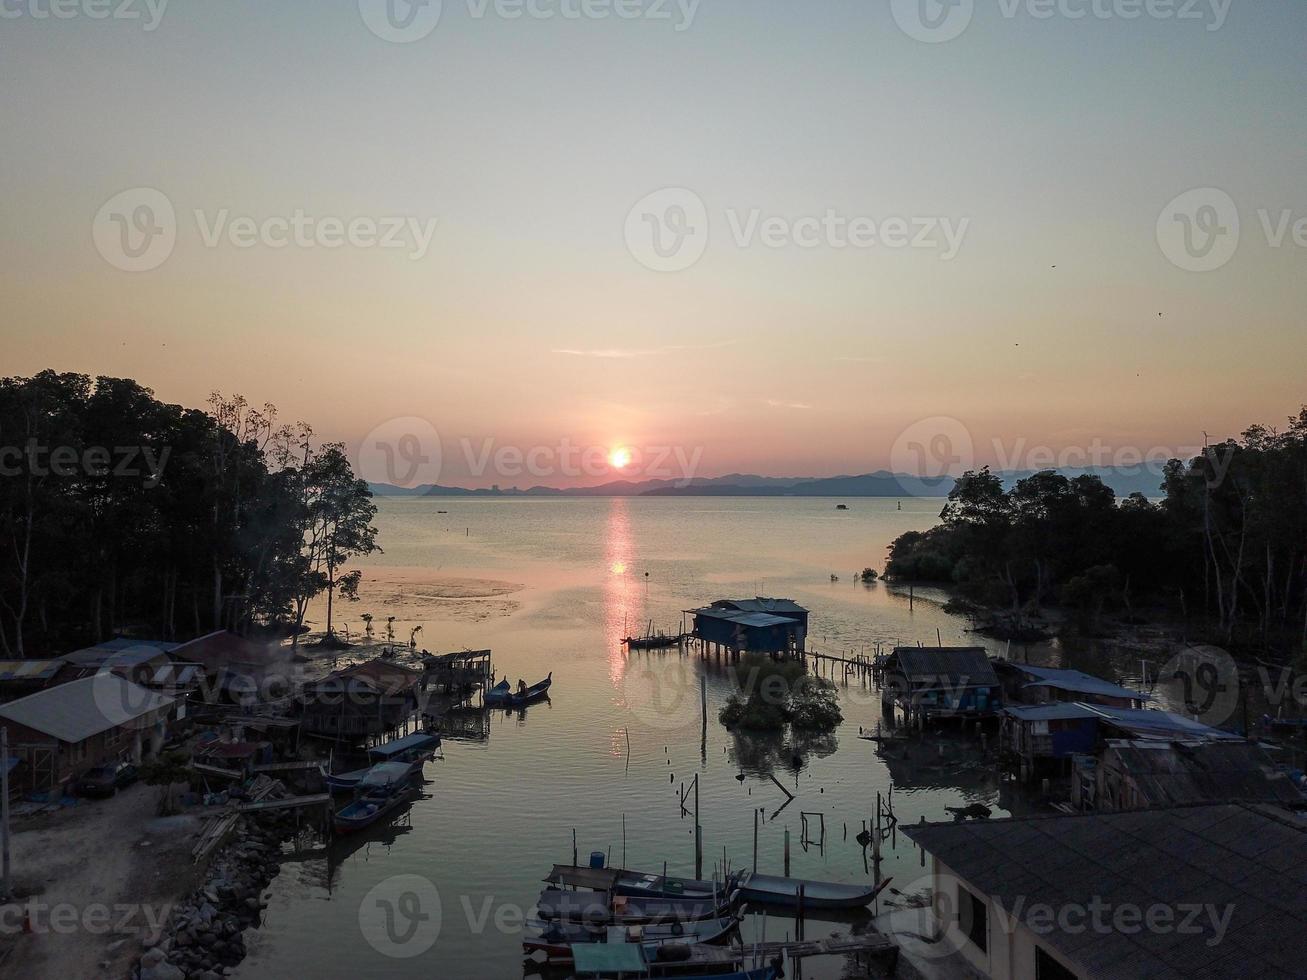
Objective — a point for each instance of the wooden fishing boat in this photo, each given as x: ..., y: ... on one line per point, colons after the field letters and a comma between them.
x: 688, y: 962
x: 382, y: 791
x: 605, y: 908
x: 415, y: 750
x: 772, y: 890
x: 639, y: 883
x: 502, y: 694
x: 658, y: 641
x: 556, y: 939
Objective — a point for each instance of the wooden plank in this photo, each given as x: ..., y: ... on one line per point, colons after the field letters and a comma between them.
x: 287, y: 766
x: 285, y: 803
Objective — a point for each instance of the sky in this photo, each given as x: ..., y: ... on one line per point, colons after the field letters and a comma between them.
x: 740, y: 235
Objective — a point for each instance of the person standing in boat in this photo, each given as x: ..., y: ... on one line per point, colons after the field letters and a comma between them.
x: 521, y: 686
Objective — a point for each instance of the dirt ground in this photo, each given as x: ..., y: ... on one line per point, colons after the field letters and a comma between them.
x: 93, y: 880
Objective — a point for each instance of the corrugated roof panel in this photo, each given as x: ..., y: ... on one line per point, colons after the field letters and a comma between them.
x: 76, y: 711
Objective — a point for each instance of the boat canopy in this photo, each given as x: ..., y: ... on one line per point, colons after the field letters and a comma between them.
x: 608, y: 958
x: 409, y: 743
x: 600, y: 879
x: 386, y: 774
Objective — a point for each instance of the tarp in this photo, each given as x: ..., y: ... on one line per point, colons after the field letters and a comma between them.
x: 599, y: 958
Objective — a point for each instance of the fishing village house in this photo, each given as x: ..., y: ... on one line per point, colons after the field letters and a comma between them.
x: 150, y: 663
x: 362, y: 700
x: 1207, y: 891
x: 1135, y: 773
x: 19, y: 678
x: 931, y: 683
x: 1027, y: 684
x: 61, y: 732
x: 777, y: 627
x: 1066, y: 736
x: 1050, y: 715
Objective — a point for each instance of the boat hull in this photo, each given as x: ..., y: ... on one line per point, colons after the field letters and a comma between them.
x: 784, y: 892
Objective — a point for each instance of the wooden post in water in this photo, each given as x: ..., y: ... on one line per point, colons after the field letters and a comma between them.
x: 798, y: 927
x: 574, y: 855
x: 787, y: 852
x: 4, y: 812
x: 703, y: 702
x: 698, y: 833
x: 754, y: 866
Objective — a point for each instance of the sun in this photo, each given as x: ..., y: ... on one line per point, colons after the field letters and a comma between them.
x: 619, y: 458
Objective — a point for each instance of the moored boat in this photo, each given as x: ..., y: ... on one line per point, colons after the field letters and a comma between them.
x: 414, y: 750
x: 639, y: 883
x: 658, y: 641
x: 773, y: 890
x: 382, y: 790
x: 502, y: 694
x: 557, y: 939
x: 603, y: 907
x: 688, y: 962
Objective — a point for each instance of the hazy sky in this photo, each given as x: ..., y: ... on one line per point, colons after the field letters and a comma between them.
x: 1035, y: 161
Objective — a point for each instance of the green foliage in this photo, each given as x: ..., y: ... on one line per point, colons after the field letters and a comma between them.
x: 779, y: 693
x: 1227, y: 539
x: 176, y: 520
x: 165, y: 771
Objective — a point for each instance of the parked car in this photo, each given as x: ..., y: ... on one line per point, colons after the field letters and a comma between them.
x: 106, y: 780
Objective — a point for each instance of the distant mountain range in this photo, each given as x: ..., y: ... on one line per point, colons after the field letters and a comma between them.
x: 1124, y: 481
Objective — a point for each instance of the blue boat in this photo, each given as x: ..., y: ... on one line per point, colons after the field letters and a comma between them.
x: 618, y: 959
x: 502, y: 694
x: 382, y: 790
x: 413, y: 749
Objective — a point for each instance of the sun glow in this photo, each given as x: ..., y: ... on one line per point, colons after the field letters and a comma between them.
x: 619, y: 458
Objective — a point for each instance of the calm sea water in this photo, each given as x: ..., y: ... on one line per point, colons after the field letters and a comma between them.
x: 552, y: 586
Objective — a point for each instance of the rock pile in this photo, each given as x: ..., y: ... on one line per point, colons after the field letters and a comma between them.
x: 204, y: 939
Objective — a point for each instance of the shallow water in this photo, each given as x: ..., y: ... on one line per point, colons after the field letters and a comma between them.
x: 552, y: 585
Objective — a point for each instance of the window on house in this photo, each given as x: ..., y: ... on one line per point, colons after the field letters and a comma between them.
x: 973, y: 918
x: 1047, y: 968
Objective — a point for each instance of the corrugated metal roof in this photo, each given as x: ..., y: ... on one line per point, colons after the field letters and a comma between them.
x: 967, y: 664
x: 77, y: 710
x: 1167, y: 773
x: 1158, y: 724
x: 1078, y: 682
x: 1235, y: 856
x: 1049, y: 712
x: 29, y: 670
x: 758, y: 620
x: 761, y: 604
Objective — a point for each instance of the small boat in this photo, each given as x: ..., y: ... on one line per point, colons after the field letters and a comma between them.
x: 772, y: 890
x: 557, y: 939
x: 841, y: 506
x: 603, y: 908
x: 502, y: 694
x: 655, y: 641
x: 414, y: 749
x: 380, y: 792
x: 638, y: 883
x: 673, y: 960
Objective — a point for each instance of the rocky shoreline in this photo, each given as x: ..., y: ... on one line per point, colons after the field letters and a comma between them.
x: 204, y: 938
